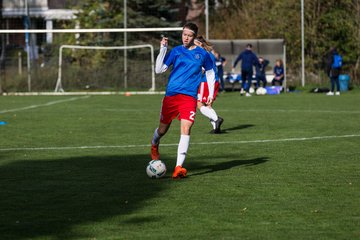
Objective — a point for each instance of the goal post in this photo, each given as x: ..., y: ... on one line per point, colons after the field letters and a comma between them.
x: 59, y: 87
x: 50, y: 66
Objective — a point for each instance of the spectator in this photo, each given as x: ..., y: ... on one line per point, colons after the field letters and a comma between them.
x: 278, y: 73
x: 220, y: 64
x: 333, y: 69
x: 249, y: 59
x: 260, y: 71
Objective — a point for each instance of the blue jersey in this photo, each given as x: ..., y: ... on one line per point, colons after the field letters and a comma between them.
x: 278, y: 71
x: 213, y: 59
x: 185, y: 76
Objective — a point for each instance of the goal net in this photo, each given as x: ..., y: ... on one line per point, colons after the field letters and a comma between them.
x: 82, y: 60
x: 142, y: 73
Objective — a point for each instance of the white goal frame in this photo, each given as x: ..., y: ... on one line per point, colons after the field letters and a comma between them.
x: 59, y: 88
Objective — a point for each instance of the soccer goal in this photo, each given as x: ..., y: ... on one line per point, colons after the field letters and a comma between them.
x: 81, y: 61
x: 59, y: 85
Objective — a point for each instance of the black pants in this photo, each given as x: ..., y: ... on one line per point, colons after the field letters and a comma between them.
x: 335, y: 80
x: 280, y: 81
x: 246, y: 75
x: 262, y: 78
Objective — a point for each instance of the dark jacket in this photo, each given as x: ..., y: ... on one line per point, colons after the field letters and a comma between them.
x: 248, y: 60
x: 261, y: 67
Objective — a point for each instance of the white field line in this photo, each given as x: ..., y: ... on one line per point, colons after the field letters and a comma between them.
x: 290, y: 111
x: 175, y: 144
x: 247, y: 110
x: 42, y: 105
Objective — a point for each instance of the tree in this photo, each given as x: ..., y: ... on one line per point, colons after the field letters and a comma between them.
x: 327, y: 23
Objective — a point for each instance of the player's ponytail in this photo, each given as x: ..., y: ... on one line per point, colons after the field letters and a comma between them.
x: 205, y: 44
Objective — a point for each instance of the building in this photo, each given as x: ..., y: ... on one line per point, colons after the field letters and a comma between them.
x: 42, y: 14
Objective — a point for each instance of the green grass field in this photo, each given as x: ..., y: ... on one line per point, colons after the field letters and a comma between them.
x: 285, y: 167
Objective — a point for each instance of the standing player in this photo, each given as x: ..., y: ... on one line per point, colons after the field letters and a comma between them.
x: 187, y: 62
x: 248, y: 60
x: 203, y: 93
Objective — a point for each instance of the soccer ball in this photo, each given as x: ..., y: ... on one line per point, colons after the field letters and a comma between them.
x: 156, y: 169
x: 261, y: 91
x: 251, y: 90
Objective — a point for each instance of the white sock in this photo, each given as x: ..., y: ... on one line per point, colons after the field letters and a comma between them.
x: 213, y: 124
x: 209, y: 113
x: 182, y: 149
x: 156, y: 138
x: 214, y: 114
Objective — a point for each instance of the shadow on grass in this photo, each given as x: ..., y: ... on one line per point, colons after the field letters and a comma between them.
x: 51, y: 198
x: 47, y: 198
x: 238, y: 127
x: 225, y: 165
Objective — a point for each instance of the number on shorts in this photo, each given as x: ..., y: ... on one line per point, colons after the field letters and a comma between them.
x: 192, y: 115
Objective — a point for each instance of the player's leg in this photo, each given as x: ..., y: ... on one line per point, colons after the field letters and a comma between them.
x: 168, y: 113
x: 337, y: 82
x: 217, y: 120
x: 243, y: 81
x: 207, y: 110
x: 248, y: 85
x: 184, y: 142
x: 203, y: 94
x: 264, y: 80
x: 187, y: 111
x: 258, y: 79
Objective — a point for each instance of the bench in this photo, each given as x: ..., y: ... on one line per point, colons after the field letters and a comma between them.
x: 233, y: 78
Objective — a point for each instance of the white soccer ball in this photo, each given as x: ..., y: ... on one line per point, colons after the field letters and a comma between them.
x: 156, y: 169
x: 251, y: 90
x: 261, y: 91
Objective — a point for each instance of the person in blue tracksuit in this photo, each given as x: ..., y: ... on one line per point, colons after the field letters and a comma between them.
x: 220, y: 63
x: 333, y: 72
x: 248, y: 60
x: 260, y: 71
x: 278, y: 73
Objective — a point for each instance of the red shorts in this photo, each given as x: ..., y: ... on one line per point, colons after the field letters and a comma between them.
x: 203, y: 92
x: 181, y: 106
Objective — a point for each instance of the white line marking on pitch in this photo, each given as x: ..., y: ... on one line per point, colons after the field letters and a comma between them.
x: 175, y: 144
x: 248, y: 110
x: 43, y: 105
x: 289, y: 111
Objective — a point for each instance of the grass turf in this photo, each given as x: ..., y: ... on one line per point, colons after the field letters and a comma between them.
x: 285, y: 167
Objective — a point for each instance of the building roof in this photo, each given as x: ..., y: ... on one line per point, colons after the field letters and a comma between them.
x: 48, y: 14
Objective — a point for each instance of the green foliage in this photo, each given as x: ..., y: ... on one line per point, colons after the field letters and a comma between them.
x: 110, y: 14
x: 327, y: 24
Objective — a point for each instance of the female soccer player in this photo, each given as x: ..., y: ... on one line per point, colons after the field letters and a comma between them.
x: 203, y: 93
x: 187, y: 61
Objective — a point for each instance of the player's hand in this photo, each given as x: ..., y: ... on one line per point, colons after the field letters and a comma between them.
x: 209, y: 101
x: 164, y: 42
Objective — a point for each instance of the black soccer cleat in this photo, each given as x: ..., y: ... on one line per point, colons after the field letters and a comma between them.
x: 218, y: 125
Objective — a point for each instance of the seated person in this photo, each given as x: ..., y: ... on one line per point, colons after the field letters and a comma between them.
x: 278, y: 73
x: 260, y: 71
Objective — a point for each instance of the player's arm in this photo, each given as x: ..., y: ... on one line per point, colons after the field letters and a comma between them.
x: 160, y: 67
x: 210, y: 77
x: 236, y: 61
x: 266, y: 62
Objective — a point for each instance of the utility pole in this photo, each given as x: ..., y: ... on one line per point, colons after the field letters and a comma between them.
x: 302, y: 46
x: 207, y: 19
x: 27, y: 42
x: 125, y: 44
